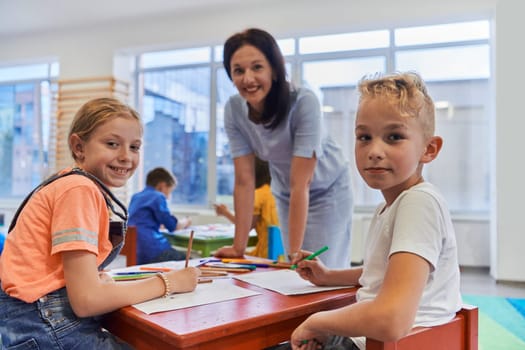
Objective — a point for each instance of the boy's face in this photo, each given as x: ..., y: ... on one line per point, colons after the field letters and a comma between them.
x: 165, y: 189
x: 389, y: 149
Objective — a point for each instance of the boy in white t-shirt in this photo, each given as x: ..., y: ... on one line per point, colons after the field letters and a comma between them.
x: 410, y: 275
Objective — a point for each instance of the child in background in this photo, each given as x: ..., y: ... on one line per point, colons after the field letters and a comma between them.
x: 264, y: 210
x: 59, y: 241
x: 410, y: 275
x: 148, y: 211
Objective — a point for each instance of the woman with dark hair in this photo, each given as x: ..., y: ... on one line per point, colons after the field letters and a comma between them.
x: 282, y: 124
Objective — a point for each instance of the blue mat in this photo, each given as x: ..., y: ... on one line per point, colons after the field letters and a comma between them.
x: 501, y: 322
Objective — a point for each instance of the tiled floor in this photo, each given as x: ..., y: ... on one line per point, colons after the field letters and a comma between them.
x: 477, y: 281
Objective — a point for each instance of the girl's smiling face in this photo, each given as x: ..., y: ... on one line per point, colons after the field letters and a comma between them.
x: 252, y: 75
x: 112, y: 151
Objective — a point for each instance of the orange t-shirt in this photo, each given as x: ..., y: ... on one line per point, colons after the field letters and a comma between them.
x: 66, y: 215
x: 266, y: 209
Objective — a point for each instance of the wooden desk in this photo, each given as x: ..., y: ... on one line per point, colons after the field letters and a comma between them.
x: 254, y: 322
x: 207, y: 238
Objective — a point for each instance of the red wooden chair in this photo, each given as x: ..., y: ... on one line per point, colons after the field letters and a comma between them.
x: 129, y: 250
x: 460, y: 333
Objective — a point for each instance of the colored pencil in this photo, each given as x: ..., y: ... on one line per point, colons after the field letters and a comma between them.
x: 311, y: 256
x: 188, y: 252
x: 204, y: 280
x: 129, y: 273
x: 207, y: 269
x: 281, y: 265
x: 136, y: 276
x: 213, y: 273
x: 156, y: 269
x: 256, y: 263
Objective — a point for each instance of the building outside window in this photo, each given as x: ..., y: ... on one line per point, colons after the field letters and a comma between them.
x: 185, y: 91
x: 25, y: 110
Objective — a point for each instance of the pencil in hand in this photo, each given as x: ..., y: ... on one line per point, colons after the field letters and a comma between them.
x: 311, y: 256
x: 188, y: 252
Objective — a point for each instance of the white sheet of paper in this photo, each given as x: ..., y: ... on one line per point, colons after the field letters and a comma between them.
x: 205, y: 293
x: 284, y: 281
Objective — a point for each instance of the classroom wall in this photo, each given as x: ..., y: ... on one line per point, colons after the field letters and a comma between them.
x: 85, y: 52
x: 507, y: 231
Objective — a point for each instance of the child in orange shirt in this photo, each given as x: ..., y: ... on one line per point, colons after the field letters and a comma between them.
x: 64, y: 231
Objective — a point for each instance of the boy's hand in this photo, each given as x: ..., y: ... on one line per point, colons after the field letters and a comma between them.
x: 313, y: 270
x: 187, y: 222
x: 183, y: 223
x: 305, y: 337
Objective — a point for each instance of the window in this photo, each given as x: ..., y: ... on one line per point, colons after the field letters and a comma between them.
x: 225, y: 89
x: 176, y: 116
x: 454, y: 60
x: 25, y: 108
x: 344, y: 42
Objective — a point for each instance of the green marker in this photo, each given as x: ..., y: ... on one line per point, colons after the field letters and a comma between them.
x: 311, y: 256
x: 133, y: 276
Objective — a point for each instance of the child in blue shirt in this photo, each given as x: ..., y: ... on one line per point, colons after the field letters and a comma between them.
x: 148, y: 211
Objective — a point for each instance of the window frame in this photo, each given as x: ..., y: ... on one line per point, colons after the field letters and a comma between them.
x: 296, y: 61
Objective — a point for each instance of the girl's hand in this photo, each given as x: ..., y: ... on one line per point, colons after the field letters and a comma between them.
x: 314, y: 271
x: 221, y: 209
x: 228, y: 252
x: 105, y: 278
x: 184, y: 280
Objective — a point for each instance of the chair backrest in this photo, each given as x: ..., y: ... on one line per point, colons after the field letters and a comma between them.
x: 460, y: 333
x: 129, y: 250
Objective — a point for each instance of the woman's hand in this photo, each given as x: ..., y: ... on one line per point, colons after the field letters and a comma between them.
x: 228, y: 252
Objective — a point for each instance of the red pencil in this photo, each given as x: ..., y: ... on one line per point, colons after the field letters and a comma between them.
x: 188, y: 252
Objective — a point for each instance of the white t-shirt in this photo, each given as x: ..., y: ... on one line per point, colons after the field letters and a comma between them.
x: 417, y: 222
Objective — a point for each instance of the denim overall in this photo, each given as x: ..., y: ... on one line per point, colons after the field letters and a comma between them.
x: 49, y: 322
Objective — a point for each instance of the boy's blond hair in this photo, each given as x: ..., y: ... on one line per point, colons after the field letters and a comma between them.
x: 406, y: 92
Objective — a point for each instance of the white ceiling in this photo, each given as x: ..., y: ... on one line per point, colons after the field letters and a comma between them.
x: 29, y: 16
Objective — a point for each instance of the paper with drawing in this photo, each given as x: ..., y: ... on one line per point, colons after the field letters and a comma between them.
x: 286, y: 282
